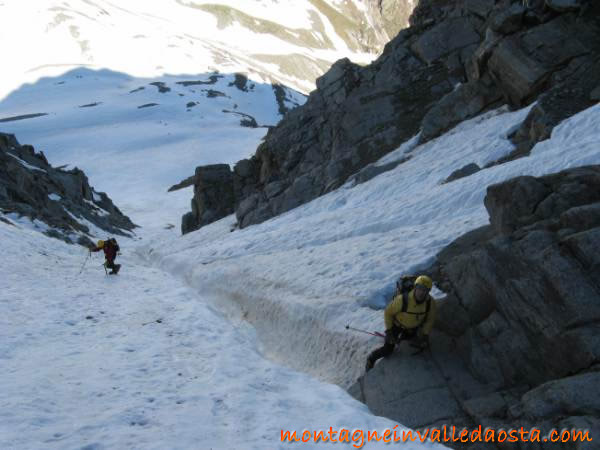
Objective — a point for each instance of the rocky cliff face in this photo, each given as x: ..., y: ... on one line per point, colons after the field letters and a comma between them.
x: 517, y: 339
x: 456, y: 60
x: 62, y: 199
x: 391, y: 15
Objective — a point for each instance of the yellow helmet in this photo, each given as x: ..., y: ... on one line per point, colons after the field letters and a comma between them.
x: 100, y: 243
x: 424, y: 280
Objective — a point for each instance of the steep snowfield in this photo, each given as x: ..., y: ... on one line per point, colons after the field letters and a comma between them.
x: 133, y: 140
x: 301, y: 277
x: 246, y: 317
x: 291, y: 42
x: 251, y: 327
x: 140, y: 361
x: 253, y: 320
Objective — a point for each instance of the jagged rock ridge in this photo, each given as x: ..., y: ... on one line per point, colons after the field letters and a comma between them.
x: 62, y: 199
x: 457, y: 60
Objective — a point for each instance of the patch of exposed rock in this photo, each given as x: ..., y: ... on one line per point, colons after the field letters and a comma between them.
x: 213, y: 196
x: 62, y: 199
x: 517, y: 339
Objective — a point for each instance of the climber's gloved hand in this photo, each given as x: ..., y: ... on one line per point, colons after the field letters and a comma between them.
x: 391, y: 336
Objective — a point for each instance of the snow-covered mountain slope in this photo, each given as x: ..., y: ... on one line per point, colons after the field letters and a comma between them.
x: 138, y: 361
x: 86, y: 362
x: 289, y: 42
x: 135, y: 138
x: 81, y: 369
x: 152, y: 359
x: 99, y: 82
x: 301, y: 277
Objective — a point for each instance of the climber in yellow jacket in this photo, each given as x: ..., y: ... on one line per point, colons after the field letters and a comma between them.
x: 409, y: 315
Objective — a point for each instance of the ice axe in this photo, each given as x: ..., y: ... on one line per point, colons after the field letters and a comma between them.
x: 374, y: 333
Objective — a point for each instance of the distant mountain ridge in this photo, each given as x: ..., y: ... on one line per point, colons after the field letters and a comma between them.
x: 291, y: 43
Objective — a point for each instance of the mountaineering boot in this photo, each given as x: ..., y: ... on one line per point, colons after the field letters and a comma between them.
x: 370, y: 364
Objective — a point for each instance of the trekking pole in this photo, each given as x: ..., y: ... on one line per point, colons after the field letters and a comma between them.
x: 104, y: 265
x: 86, y: 260
x: 375, y: 333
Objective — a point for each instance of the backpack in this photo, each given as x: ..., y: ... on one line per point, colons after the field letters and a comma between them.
x: 113, y: 242
x: 404, y: 285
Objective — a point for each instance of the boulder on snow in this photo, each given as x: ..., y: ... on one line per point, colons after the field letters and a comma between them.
x: 463, y: 172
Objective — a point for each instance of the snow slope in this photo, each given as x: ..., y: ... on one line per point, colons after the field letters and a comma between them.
x: 290, y: 42
x: 254, y: 320
x: 139, y: 361
x: 301, y: 277
x: 250, y: 321
x: 136, y: 137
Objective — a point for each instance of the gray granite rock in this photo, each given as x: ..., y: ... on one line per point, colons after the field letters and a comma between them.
x: 516, y: 339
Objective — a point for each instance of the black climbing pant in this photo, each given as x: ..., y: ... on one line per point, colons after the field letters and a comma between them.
x: 397, y: 335
x: 110, y: 264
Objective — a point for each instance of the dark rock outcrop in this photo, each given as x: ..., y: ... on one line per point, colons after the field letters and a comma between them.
x: 213, y: 196
x: 240, y: 82
x: 189, y: 181
x: 463, y: 172
x: 464, y: 102
x: 522, y: 64
x: 517, y: 338
x: 61, y: 199
x: 457, y: 60
x: 391, y: 15
x: 445, y: 38
x: 572, y: 92
x: 564, y: 5
x: 508, y: 20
